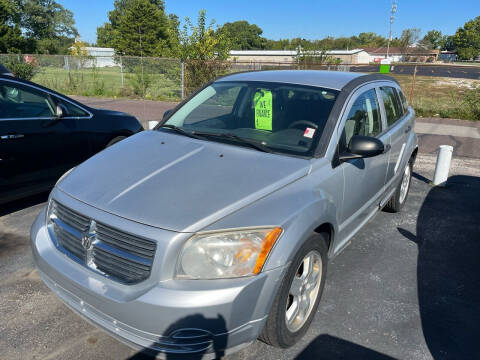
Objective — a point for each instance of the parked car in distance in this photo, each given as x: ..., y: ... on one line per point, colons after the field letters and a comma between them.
x: 223, y: 234
x: 4, y: 70
x: 43, y: 134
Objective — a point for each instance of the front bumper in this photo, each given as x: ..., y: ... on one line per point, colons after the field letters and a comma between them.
x: 164, y: 316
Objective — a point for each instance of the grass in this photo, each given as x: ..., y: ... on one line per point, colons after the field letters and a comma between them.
x: 440, y: 97
x: 431, y: 96
x: 107, y: 82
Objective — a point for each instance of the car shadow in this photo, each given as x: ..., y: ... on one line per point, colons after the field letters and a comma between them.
x: 420, y: 177
x: 17, y: 205
x: 448, y: 240
x: 189, y: 325
x: 327, y: 347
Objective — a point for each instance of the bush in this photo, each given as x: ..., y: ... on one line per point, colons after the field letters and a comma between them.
x: 24, y: 71
x: 471, y: 102
x: 200, y: 72
x: 140, y: 82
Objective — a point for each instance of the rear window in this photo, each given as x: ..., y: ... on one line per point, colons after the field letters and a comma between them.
x: 393, y: 107
x: 403, y: 100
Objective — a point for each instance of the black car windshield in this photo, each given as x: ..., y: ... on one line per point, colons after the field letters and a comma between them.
x: 277, y: 117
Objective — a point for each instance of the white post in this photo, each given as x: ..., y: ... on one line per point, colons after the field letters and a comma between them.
x: 152, y: 124
x: 443, y: 165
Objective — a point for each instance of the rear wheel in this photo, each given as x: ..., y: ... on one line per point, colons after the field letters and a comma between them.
x: 297, y: 300
x: 398, y: 199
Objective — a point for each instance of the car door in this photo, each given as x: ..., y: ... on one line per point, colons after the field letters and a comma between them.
x: 364, y: 179
x: 399, y: 125
x: 35, y: 148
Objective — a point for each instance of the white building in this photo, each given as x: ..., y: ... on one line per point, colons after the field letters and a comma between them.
x: 355, y: 56
x: 104, y: 56
x: 101, y: 57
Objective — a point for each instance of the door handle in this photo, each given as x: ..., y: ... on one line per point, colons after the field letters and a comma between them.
x: 407, y: 130
x: 11, y: 136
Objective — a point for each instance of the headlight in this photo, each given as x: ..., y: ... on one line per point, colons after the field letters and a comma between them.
x: 50, y: 211
x: 228, y: 254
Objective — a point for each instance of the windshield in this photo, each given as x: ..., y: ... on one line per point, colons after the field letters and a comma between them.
x: 279, y: 117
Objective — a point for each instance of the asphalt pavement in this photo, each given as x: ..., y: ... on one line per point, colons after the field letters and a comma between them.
x: 436, y: 70
x: 408, y: 287
x: 463, y: 135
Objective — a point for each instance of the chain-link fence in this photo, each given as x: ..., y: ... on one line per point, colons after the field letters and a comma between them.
x: 433, y: 89
x: 109, y: 76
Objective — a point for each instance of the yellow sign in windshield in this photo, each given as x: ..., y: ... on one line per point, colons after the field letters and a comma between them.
x: 263, y: 109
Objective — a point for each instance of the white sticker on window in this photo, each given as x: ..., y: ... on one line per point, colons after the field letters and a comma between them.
x: 309, y: 132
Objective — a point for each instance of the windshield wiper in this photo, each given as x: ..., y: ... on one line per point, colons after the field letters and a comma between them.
x: 181, y: 131
x: 253, y: 144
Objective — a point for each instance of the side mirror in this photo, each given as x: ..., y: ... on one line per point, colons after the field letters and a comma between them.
x: 362, y: 147
x: 61, y: 111
x: 166, y: 113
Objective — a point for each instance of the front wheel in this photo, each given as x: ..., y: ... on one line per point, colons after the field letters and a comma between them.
x: 398, y: 199
x: 297, y: 300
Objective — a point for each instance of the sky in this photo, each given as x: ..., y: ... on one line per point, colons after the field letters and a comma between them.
x: 310, y: 19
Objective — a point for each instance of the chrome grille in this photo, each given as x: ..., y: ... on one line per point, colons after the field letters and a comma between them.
x: 71, y: 218
x: 111, y: 252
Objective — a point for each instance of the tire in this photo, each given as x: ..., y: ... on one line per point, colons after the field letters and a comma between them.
x: 115, y: 140
x: 280, y: 330
x: 398, y: 199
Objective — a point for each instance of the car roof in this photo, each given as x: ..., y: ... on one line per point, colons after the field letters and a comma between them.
x: 319, y: 78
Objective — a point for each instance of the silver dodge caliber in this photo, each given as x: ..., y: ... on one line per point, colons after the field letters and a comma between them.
x: 216, y: 228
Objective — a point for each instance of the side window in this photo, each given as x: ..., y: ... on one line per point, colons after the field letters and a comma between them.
x: 403, y: 100
x: 363, y: 119
x: 393, y: 107
x: 19, y: 102
x: 73, y: 110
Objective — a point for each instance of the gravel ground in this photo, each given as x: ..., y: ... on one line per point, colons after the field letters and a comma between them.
x: 406, y: 288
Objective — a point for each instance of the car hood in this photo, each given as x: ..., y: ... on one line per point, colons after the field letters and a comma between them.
x: 178, y: 183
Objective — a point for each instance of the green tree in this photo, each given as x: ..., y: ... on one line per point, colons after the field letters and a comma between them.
x: 204, y: 51
x: 244, y: 36
x: 448, y: 43
x: 141, y: 29
x: 369, y: 39
x: 43, y: 19
x: 11, y: 39
x: 202, y: 42
x: 105, y: 35
x: 408, y: 38
x: 467, y: 39
x: 433, y: 40
x: 45, y: 25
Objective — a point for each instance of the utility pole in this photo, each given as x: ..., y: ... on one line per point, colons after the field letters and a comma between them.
x: 392, y: 18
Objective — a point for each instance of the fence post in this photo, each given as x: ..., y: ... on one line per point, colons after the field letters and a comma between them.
x: 413, y: 85
x: 121, y: 72
x: 183, y: 79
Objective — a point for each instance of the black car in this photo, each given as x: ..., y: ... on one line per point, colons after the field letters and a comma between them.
x: 43, y: 134
x: 4, y: 70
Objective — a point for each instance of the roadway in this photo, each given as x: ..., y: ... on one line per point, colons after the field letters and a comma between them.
x: 451, y: 71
